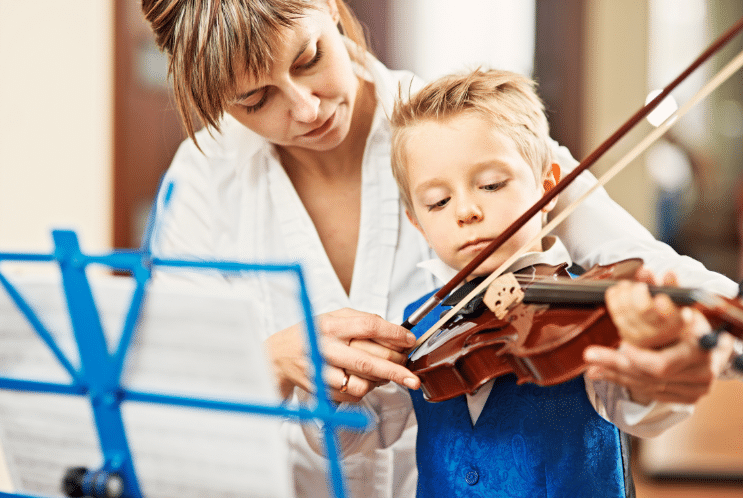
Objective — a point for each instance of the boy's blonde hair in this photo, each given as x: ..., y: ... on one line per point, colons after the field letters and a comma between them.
x: 507, y: 100
x: 210, y: 42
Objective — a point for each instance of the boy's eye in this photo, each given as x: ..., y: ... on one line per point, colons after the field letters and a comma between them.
x: 438, y: 204
x: 493, y: 186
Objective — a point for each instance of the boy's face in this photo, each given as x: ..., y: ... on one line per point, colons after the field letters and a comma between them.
x: 468, y: 183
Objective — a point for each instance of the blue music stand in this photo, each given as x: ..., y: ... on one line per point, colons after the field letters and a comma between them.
x: 98, y: 378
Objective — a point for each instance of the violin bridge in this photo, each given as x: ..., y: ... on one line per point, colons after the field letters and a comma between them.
x: 504, y: 293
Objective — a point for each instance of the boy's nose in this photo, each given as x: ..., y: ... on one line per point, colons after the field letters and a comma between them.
x: 469, y: 214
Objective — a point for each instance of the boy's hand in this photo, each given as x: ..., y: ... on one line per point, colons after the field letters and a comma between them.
x: 643, y: 320
x: 660, y: 358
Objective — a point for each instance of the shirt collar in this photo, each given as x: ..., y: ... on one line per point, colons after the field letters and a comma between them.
x: 554, y: 253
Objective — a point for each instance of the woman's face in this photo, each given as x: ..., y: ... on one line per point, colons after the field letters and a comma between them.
x: 307, y: 99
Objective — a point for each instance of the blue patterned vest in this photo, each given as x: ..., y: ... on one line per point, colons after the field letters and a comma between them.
x: 529, y: 441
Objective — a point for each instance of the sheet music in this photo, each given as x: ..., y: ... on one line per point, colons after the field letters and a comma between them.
x: 194, y: 342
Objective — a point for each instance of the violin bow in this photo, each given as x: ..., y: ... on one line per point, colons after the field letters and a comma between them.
x: 716, y: 81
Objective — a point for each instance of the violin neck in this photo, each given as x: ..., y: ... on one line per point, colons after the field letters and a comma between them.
x: 592, y: 293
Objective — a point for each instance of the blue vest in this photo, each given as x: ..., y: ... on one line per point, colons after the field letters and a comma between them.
x: 529, y: 441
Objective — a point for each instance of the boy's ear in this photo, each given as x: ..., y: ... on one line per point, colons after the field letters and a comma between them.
x: 549, y: 181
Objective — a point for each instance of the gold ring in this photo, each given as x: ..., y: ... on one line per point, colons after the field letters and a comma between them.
x: 344, y: 386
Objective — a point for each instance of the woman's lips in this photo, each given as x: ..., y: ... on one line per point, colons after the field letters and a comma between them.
x: 322, y: 128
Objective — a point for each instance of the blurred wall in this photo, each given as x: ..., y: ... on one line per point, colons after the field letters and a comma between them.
x: 431, y: 38
x: 615, y: 82
x: 56, y: 98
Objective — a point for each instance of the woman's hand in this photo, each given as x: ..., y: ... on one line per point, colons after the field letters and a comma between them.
x: 659, y: 358
x: 364, y: 347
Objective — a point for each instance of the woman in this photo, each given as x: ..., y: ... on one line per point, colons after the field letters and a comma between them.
x: 294, y: 165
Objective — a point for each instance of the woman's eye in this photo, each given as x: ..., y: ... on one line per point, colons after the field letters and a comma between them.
x: 253, y: 107
x: 314, y: 60
x: 439, y: 204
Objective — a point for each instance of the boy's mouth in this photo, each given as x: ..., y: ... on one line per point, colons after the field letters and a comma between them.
x: 477, y: 244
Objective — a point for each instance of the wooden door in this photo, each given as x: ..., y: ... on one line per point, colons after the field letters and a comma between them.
x: 147, y: 127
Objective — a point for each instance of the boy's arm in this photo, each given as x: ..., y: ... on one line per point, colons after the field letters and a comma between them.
x: 613, y: 403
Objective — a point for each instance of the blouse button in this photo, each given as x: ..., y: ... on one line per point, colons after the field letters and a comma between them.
x: 471, y: 477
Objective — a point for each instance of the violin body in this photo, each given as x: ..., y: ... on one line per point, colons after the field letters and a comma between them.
x: 541, y: 342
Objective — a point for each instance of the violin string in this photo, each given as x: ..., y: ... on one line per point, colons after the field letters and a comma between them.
x: 568, y: 284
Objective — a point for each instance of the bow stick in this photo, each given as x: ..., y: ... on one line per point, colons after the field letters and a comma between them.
x: 716, y: 81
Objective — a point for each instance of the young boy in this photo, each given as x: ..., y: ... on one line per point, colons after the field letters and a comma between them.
x: 470, y: 155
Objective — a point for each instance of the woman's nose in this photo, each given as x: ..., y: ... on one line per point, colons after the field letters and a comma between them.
x: 305, y: 105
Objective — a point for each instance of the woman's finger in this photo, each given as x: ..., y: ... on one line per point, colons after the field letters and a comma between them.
x: 376, y: 349
x: 347, y: 387
x: 347, y: 324
x: 379, y: 358
x: 367, y: 366
x: 376, y: 359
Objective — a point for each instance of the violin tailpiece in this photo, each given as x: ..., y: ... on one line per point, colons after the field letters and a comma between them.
x: 502, y: 294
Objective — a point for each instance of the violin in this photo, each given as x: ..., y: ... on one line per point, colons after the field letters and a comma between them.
x: 504, y: 343
x: 537, y: 324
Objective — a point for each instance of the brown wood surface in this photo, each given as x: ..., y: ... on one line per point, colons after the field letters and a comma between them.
x: 147, y: 127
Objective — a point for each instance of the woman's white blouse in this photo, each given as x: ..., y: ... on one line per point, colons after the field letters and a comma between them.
x: 234, y: 201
